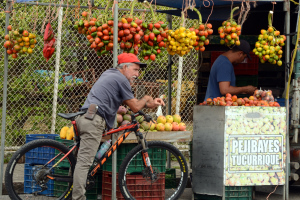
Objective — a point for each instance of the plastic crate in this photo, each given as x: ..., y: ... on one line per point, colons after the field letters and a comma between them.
x: 231, y: 193
x: 138, y: 186
x: 92, y: 194
x: 39, y: 155
x: 246, y: 80
x: 281, y: 102
x: 30, y: 185
x: 157, y: 158
x: 63, y: 163
x: 170, y: 179
x: 248, y: 67
x: 238, y: 192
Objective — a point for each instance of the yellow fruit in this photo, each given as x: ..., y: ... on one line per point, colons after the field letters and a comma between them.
x: 69, y: 136
x: 72, y: 132
x: 63, y: 132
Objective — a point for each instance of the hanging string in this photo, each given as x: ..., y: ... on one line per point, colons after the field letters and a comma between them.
x: 246, y: 13
x: 271, y: 192
x: 241, y: 12
x: 46, y: 18
x: 36, y: 16
x: 273, y: 9
x: 115, y: 2
x: 77, y: 10
x: 212, y: 8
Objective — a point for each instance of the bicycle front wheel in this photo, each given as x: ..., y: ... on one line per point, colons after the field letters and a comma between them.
x: 169, y: 177
x: 28, y: 174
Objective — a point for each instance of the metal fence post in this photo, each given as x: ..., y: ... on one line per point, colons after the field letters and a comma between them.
x: 8, y: 9
x: 57, y: 62
x: 114, y: 137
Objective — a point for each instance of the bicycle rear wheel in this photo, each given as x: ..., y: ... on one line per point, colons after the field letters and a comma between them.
x: 170, y: 180
x: 28, y: 180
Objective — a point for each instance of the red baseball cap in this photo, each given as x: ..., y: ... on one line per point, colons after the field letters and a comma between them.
x: 130, y: 58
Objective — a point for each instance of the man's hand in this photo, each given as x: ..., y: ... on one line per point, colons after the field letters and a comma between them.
x: 250, y: 89
x: 159, y: 102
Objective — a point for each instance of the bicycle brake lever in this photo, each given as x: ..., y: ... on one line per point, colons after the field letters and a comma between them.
x: 147, y: 117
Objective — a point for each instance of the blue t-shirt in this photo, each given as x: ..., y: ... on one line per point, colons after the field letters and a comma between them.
x: 109, y: 91
x: 222, y: 70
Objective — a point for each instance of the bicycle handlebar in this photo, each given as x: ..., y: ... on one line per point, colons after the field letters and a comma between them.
x: 148, y: 118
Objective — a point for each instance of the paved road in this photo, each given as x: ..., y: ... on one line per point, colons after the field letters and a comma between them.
x: 188, y: 195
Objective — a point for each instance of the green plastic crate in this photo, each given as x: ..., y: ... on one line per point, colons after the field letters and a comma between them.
x: 246, y: 80
x: 157, y: 158
x: 231, y: 193
x: 238, y: 193
x: 64, y: 163
x: 170, y: 179
x: 92, y: 194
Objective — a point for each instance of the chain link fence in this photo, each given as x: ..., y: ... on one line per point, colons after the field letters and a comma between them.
x: 31, y: 78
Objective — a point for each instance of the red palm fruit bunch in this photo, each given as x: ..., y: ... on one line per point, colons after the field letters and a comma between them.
x: 154, y: 39
x: 19, y: 41
x: 230, y: 31
x: 202, y: 32
x: 130, y: 34
x: 98, y: 33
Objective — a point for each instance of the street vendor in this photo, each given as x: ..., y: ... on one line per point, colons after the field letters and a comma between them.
x: 111, y: 89
x: 222, y: 78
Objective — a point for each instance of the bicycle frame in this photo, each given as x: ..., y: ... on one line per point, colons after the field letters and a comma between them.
x: 128, y: 128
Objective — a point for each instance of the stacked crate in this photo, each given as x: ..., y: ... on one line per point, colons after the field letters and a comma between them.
x: 135, y: 181
x: 63, y: 169
x: 37, y: 156
x: 231, y: 193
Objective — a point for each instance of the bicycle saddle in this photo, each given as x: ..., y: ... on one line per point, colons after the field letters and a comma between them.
x: 70, y: 115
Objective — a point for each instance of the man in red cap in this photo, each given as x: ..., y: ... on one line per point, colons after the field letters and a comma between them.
x: 110, y: 90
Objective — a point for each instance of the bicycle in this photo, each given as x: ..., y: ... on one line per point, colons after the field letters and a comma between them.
x: 148, y: 161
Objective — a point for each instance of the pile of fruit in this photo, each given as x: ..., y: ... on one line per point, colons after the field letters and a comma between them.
x: 163, y: 123
x: 269, y: 45
x: 230, y: 31
x: 19, y: 41
x: 202, y: 32
x: 260, y: 98
x: 155, y: 38
x: 67, y: 133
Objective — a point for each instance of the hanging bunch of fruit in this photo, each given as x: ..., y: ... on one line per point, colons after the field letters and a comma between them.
x: 181, y: 41
x: 98, y: 32
x: 269, y: 44
x: 19, y: 40
x: 154, y: 39
x: 202, y: 32
x: 130, y: 33
x: 230, y: 31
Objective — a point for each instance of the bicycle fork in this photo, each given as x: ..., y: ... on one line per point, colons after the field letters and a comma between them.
x: 145, y: 155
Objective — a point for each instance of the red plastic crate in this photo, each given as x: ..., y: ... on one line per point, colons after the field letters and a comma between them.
x: 140, y: 189
x: 248, y: 67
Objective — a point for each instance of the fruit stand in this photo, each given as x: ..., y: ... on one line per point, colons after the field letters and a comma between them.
x: 156, y: 38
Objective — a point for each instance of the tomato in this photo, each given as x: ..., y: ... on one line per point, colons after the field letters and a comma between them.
x: 146, y: 38
x: 146, y: 57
